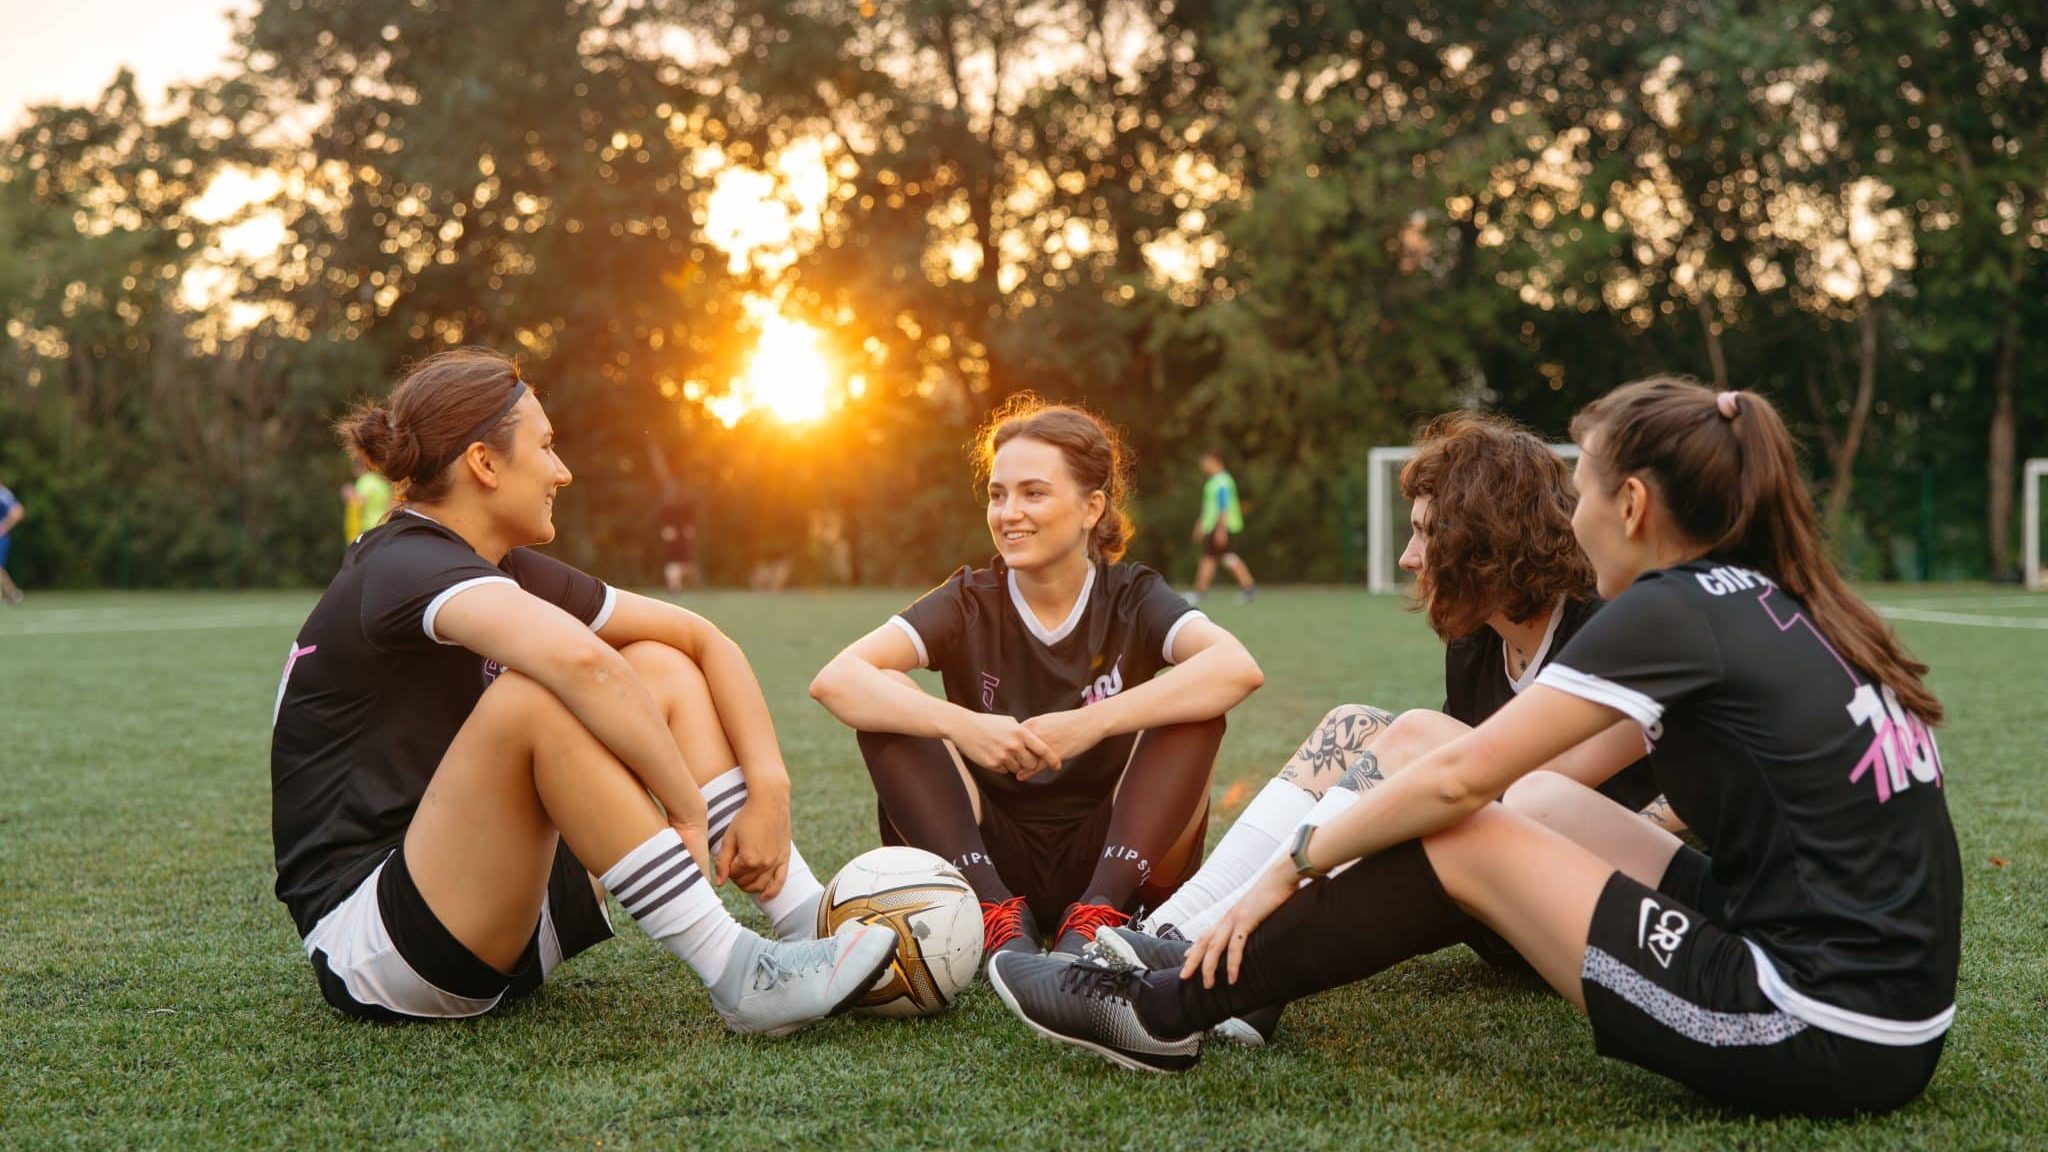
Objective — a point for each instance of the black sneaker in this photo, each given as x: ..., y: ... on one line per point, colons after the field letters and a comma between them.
x: 1008, y: 926
x: 1130, y: 948
x: 1078, y: 927
x: 1088, y: 1006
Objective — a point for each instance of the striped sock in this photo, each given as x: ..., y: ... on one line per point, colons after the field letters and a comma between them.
x: 794, y: 910
x: 664, y: 891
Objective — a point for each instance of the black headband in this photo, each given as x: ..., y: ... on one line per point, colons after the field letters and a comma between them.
x: 475, y: 434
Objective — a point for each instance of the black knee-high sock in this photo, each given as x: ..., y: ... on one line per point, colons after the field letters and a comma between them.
x: 923, y: 797
x: 1162, y: 789
x: 1379, y: 912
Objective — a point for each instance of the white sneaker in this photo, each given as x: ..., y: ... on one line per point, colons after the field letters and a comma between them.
x: 774, y: 988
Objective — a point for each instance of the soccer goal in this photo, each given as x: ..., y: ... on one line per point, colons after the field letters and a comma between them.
x: 2030, y: 523
x: 1386, y: 514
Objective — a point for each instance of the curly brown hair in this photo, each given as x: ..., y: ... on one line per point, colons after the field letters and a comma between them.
x: 1499, y: 523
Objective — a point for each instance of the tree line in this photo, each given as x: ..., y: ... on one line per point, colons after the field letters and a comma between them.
x: 1287, y: 230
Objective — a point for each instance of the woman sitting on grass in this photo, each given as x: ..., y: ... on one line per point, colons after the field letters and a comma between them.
x: 467, y: 730
x: 1059, y: 774
x: 1807, y: 965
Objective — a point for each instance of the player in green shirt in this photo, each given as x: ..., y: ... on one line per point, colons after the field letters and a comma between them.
x: 1222, y: 518
x: 365, y: 500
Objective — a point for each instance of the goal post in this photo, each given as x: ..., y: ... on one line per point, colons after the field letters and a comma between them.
x: 1386, y: 514
x: 2030, y: 523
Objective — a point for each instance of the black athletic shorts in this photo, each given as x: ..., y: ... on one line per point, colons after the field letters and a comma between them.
x: 572, y: 920
x: 1211, y: 548
x: 1049, y: 863
x: 1670, y: 991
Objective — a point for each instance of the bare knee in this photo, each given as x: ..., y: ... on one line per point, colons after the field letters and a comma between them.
x: 655, y: 662
x: 1542, y: 795
x: 1413, y: 735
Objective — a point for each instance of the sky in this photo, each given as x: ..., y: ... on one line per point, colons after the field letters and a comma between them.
x: 68, y: 50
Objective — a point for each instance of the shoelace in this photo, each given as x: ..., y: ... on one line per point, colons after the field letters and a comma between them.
x: 1098, y: 981
x: 769, y: 970
x: 1001, y: 923
x: 1087, y: 918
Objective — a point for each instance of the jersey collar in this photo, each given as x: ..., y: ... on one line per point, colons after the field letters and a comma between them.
x: 1030, y: 618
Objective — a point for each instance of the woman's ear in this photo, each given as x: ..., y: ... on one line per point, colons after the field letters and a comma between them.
x: 481, y: 466
x: 1635, y: 507
x: 1098, y: 502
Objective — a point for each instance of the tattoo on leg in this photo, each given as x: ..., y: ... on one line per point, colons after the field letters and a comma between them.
x: 1659, y: 812
x: 1364, y: 775
x: 1335, y: 746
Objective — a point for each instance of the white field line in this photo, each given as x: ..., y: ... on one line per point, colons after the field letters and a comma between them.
x: 1965, y: 618
x: 149, y: 624
x: 2018, y: 601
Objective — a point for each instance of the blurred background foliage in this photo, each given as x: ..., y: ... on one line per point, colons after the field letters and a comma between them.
x: 789, y: 254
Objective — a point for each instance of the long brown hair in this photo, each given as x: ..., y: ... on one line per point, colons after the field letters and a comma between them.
x: 1094, y: 453
x: 442, y: 399
x: 1499, y: 523
x: 1728, y: 472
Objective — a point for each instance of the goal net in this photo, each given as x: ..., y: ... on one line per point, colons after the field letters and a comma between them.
x: 2031, y: 512
x: 1386, y: 516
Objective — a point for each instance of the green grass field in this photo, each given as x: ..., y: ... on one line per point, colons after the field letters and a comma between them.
x: 152, y: 993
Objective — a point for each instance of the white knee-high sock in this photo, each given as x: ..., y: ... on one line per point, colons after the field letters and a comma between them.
x: 1266, y: 824
x: 665, y: 892
x: 794, y: 910
x: 1334, y: 801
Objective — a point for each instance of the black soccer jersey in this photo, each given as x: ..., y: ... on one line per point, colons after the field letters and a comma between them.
x: 371, y: 698
x: 994, y: 655
x: 1819, y: 796
x: 1477, y: 684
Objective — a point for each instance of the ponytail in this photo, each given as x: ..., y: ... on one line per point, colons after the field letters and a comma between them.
x: 1725, y: 467
x: 446, y: 402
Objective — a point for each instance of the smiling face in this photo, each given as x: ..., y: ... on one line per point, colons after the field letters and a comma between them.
x: 529, y: 475
x: 1037, y: 513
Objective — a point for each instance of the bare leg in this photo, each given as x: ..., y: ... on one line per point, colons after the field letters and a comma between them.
x: 1237, y: 569
x: 1528, y: 883
x: 1205, y: 571
x: 482, y: 842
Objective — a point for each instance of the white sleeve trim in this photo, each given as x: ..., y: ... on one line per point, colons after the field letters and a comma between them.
x: 1629, y: 702
x: 1841, y: 1021
x: 924, y: 657
x: 1173, y: 633
x: 604, y: 613
x: 449, y: 593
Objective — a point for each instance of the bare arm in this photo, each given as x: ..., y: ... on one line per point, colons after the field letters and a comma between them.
x: 1437, y: 791
x: 1595, y: 761
x: 735, y: 690
x: 867, y: 687
x: 14, y: 516
x: 503, y: 622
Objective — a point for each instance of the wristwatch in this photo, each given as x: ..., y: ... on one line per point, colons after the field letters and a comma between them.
x: 1299, y: 851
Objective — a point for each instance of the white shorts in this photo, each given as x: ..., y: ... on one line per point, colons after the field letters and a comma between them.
x: 365, y: 971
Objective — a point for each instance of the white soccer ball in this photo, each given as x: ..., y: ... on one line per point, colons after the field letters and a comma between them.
x: 937, y: 921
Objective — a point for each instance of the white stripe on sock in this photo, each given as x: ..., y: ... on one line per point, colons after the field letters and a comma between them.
x: 793, y: 911
x: 661, y: 886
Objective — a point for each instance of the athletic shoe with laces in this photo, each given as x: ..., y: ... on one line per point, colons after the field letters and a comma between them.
x: 1129, y: 948
x: 1008, y: 926
x: 1089, y: 1006
x: 773, y: 988
x: 1082, y: 921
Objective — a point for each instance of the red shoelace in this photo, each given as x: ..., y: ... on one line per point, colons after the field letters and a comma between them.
x: 1001, y: 923
x: 1087, y: 918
